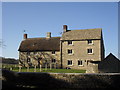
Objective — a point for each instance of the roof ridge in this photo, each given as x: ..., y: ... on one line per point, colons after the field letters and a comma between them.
x: 42, y: 37
x: 86, y: 29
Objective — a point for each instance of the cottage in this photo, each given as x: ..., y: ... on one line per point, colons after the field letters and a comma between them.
x: 75, y: 49
x: 36, y: 51
x: 79, y: 47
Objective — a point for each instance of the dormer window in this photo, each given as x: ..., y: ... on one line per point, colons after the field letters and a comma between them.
x: 70, y: 43
x: 90, y: 42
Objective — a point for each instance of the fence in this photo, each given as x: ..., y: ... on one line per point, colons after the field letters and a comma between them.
x: 18, y: 68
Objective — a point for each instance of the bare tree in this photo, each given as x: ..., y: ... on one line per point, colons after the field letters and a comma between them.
x: 37, y: 60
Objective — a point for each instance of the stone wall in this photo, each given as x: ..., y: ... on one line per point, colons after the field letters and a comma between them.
x: 31, y: 58
x: 61, y: 80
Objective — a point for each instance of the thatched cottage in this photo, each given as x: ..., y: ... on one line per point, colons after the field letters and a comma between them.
x: 75, y: 49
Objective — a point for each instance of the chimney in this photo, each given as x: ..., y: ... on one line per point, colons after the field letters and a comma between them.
x: 64, y: 28
x: 25, y: 36
x: 48, y: 35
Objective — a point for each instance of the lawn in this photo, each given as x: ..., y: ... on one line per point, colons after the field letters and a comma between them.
x: 51, y: 71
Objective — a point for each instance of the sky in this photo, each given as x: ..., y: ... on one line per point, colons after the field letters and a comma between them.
x: 38, y: 18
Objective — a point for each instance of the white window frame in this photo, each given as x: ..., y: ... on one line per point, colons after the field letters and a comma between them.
x: 91, y: 49
x: 71, y: 43
x: 71, y: 61
x: 90, y: 43
x: 69, y: 53
x: 81, y: 61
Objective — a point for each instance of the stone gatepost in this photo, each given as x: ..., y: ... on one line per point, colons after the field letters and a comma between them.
x: 92, y: 67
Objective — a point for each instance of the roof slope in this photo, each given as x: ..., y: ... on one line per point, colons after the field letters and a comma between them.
x: 82, y: 34
x: 110, y: 57
x: 40, y: 44
x: 110, y: 64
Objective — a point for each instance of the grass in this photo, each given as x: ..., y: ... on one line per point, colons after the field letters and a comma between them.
x: 14, y: 67
x: 51, y: 71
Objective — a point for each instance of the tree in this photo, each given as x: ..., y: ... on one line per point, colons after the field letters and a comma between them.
x: 36, y: 59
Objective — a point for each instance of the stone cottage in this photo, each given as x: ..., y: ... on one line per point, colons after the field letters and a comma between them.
x: 40, y: 51
x: 80, y: 47
x: 75, y: 49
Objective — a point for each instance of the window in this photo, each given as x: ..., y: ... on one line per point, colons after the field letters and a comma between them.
x: 80, y: 62
x: 53, y: 60
x: 69, y: 51
x: 69, y: 62
x: 28, y: 60
x: 89, y: 51
x: 53, y: 52
x: 69, y: 42
x: 90, y: 42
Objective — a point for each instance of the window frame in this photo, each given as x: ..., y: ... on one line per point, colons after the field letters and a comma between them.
x: 90, y: 43
x: 28, y: 60
x: 53, y: 60
x: 69, y: 51
x: 53, y: 53
x: 80, y: 62
x: 70, y: 42
x: 69, y: 62
x: 89, y: 52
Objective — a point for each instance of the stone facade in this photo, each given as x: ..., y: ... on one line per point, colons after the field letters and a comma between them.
x: 79, y: 47
x: 75, y: 49
x: 79, y: 53
x: 40, y: 58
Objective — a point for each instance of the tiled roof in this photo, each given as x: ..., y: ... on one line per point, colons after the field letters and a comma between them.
x: 82, y: 34
x: 40, y: 44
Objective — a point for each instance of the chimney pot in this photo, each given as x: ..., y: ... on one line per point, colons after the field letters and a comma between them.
x: 25, y: 36
x: 48, y: 35
x: 64, y: 28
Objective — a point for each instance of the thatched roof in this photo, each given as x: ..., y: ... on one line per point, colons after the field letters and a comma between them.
x: 40, y: 44
x: 82, y: 34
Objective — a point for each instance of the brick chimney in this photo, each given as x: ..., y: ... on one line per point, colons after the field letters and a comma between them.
x: 48, y: 35
x: 25, y: 36
x: 64, y: 28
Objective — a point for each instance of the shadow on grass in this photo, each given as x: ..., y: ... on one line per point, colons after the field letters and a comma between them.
x: 31, y: 80
x: 47, y: 81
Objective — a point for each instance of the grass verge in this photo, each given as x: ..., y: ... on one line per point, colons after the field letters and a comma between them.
x: 51, y: 71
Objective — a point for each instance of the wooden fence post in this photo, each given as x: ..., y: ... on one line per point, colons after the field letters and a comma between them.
x: 27, y: 68
x: 35, y: 68
x: 19, y: 69
x: 40, y: 67
x: 45, y: 66
x: 50, y: 66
